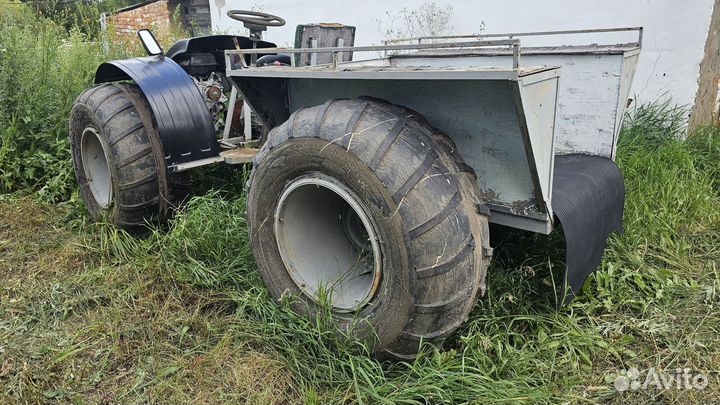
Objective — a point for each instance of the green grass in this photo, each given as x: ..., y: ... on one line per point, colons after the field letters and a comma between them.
x: 89, y: 314
x: 43, y: 68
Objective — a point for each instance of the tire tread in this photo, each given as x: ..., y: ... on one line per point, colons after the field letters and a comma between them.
x: 436, y: 312
x: 126, y: 122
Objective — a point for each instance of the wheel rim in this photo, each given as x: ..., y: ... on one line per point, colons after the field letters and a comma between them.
x: 96, y: 167
x: 328, y: 242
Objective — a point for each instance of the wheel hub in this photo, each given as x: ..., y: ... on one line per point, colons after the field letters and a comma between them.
x: 327, y: 242
x: 96, y: 167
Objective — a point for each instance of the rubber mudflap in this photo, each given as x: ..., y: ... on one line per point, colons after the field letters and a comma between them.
x: 588, y: 197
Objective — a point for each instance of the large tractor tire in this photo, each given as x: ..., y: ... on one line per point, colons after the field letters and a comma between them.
x: 118, y: 158
x: 362, y: 206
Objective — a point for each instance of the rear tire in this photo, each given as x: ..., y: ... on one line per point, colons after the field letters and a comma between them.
x: 118, y: 158
x: 423, y: 207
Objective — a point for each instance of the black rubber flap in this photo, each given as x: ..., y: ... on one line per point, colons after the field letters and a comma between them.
x: 588, y: 197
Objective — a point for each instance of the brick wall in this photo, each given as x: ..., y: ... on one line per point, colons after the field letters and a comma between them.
x: 155, y: 16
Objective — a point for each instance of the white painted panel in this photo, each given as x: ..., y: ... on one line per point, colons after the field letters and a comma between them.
x: 587, y: 103
x: 539, y: 102
x: 628, y: 73
x: 588, y: 94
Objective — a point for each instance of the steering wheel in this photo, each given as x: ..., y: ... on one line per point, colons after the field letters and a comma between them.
x: 255, y: 20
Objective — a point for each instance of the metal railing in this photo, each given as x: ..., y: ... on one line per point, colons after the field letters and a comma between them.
x: 512, y: 43
x: 511, y: 40
x: 512, y: 35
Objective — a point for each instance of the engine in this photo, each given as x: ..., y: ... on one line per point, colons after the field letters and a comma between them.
x: 212, y: 87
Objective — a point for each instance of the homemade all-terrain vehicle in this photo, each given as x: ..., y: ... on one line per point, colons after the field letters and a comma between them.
x: 373, y: 180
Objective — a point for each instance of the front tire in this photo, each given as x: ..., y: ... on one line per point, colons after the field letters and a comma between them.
x: 417, y: 274
x: 118, y: 157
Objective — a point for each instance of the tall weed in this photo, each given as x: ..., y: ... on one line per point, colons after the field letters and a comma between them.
x: 44, y: 66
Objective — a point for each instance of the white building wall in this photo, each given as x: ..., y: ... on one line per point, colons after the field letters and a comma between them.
x: 675, y: 31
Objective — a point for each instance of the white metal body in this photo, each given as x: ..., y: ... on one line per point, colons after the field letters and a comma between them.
x: 507, y: 121
x: 592, y: 95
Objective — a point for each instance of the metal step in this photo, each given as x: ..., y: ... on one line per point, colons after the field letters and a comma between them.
x: 239, y: 155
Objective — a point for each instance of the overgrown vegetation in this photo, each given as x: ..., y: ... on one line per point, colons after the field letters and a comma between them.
x: 89, y: 314
x: 80, y: 14
x: 43, y: 68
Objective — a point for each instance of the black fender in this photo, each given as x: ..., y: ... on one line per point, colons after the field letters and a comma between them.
x: 588, y: 197
x: 184, y: 122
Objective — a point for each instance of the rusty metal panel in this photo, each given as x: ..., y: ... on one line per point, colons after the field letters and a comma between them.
x: 322, y: 36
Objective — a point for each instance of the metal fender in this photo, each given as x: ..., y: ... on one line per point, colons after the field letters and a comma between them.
x: 588, y: 198
x: 184, y: 122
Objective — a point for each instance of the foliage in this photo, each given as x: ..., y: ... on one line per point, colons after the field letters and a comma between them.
x: 43, y: 68
x: 80, y: 14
